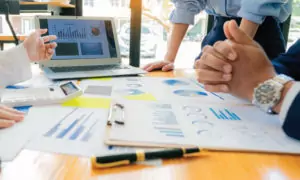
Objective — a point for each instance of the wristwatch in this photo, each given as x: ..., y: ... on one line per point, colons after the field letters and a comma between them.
x: 267, y: 94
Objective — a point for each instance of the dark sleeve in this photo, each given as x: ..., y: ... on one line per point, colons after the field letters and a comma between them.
x: 291, y: 125
x: 289, y: 63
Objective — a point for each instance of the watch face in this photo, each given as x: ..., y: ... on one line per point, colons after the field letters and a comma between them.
x: 265, y: 94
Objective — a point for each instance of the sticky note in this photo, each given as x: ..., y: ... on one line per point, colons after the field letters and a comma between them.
x: 102, y: 79
x: 88, y: 102
x: 143, y: 97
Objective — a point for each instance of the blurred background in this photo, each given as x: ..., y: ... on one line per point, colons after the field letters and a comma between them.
x: 154, y: 32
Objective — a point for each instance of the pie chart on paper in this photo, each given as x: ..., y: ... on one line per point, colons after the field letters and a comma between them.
x: 190, y: 93
x: 175, y: 82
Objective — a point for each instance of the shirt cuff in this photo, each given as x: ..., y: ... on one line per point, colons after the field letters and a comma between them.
x: 288, y: 100
x: 182, y: 16
x: 251, y: 17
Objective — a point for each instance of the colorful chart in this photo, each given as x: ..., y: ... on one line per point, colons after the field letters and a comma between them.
x: 74, y: 129
x: 127, y: 92
x: 190, y: 93
x: 175, y: 82
x: 165, y: 122
x: 224, y: 114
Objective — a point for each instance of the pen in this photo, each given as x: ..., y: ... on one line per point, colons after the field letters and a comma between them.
x: 128, y: 158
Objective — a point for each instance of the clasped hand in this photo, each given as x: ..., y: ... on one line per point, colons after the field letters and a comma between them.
x: 236, y: 65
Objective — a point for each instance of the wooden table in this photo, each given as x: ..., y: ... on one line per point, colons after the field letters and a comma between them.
x: 215, y: 165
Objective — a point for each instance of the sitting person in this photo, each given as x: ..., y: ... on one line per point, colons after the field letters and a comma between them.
x: 15, y: 67
x: 240, y: 66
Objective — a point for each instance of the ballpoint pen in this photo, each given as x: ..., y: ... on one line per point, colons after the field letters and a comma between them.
x: 128, y: 158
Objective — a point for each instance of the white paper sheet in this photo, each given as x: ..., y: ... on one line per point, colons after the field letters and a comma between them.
x: 221, y: 127
x: 14, y: 139
x: 171, y: 89
x: 74, y: 131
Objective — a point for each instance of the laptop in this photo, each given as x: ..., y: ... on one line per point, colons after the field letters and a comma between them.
x: 87, y: 47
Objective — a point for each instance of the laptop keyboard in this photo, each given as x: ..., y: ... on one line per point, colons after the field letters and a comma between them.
x: 87, y: 68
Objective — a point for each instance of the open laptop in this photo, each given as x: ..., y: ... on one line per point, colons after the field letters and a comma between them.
x: 87, y: 47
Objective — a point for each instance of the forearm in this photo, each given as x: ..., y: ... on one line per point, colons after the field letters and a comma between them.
x: 249, y: 27
x: 177, y: 35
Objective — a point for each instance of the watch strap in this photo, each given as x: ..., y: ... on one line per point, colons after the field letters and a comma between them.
x: 282, y: 79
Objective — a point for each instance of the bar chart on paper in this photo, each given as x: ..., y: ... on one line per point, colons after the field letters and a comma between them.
x: 75, y: 126
x: 166, y: 124
x: 224, y: 114
x: 79, y: 132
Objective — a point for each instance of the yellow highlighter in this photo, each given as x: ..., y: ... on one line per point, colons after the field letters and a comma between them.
x: 129, y: 158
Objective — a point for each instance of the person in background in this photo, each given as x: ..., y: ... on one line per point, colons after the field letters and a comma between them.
x: 15, y: 67
x: 260, y: 19
x: 250, y: 75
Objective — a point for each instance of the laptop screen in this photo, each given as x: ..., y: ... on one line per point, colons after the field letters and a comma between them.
x: 81, y: 38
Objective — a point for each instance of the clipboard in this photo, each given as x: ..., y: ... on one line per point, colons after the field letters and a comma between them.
x: 110, y: 124
x: 291, y: 147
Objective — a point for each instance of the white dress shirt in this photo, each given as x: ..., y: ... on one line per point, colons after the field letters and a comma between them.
x: 288, y: 100
x: 14, y: 66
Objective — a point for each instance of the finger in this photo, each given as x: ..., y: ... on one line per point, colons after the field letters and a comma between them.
x: 51, y: 45
x: 11, y: 110
x: 6, y: 123
x: 156, y: 66
x: 10, y: 116
x: 216, y: 63
x: 42, y: 31
x: 147, y: 66
x: 226, y: 30
x: 49, y: 54
x: 217, y: 88
x: 168, y: 67
x: 224, y: 48
x: 238, y: 35
x: 204, y: 75
x: 49, y: 38
x: 211, y: 50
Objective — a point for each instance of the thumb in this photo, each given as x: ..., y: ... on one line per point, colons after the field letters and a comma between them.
x: 234, y: 33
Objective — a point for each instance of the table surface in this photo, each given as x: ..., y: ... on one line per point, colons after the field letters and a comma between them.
x: 35, y: 165
x: 51, y: 3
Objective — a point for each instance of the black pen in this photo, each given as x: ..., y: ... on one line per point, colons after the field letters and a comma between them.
x: 128, y: 158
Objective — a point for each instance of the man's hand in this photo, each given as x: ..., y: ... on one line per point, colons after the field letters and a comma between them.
x: 251, y: 66
x: 36, y: 48
x: 213, y: 69
x: 163, y: 65
x: 9, y: 116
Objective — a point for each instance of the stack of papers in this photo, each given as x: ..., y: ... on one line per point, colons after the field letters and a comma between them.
x: 159, y: 112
